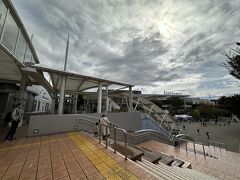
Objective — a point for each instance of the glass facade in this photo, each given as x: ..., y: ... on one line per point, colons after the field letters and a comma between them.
x: 10, y: 33
x: 21, y: 47
x: 13, y: 37
x: 28, y: 55
x: 3, y: 11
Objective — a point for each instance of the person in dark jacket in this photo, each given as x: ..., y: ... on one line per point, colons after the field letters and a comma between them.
x: 16, y: 117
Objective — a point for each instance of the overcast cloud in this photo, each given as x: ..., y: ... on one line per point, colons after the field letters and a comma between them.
x: 156, y: 45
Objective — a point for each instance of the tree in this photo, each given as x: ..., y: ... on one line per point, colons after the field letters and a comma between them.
x: 195, y: 113
x: 232, y: 63
x: 176, y: 104
x: 231, y: 103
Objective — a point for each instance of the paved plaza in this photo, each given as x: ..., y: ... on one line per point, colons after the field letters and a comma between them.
x: 64, y: 156
x: 228, y: 134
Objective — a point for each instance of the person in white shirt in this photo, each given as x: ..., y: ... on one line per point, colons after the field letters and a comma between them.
x: 105, y: 130
x: 15, y: 119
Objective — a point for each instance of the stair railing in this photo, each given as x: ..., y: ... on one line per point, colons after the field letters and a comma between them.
x: 115, y: 130
x: 194, y: 147
x: 217, y: 144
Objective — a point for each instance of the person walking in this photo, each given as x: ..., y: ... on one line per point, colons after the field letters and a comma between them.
x: 208, y: 135
x: 198, y: 131
x: 105, y: 130
x: 15, y: 119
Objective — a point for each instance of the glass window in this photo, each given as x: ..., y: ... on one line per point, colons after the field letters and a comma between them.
x: 3, y: 11
x: 34, y: 105
x: 21, y: 46
x: 28, y: 55
x: 10, y: 33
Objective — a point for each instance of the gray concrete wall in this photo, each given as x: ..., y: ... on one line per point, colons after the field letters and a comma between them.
x: 49, y: 124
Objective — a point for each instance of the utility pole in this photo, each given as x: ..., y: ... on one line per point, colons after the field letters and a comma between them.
x: 63, y: 85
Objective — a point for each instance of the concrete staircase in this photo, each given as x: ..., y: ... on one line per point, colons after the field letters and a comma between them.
x: 162, y: 171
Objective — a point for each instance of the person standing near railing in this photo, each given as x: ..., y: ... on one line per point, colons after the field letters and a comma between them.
x: 105, y: 130
x: 16, y: 117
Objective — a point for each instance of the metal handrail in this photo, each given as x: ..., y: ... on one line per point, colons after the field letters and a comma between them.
x: 194, y: 147
x: 115, y: 130
x: 97, y: 118
x: 219, y: 144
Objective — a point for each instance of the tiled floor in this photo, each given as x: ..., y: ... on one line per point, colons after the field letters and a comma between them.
x: 225, y: 165
x: 64, y: 156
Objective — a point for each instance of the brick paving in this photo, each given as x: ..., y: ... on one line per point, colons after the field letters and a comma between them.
x: 225, y: 165
x: 64, y: 156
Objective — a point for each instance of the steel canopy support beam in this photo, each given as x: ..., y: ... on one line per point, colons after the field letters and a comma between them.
x: 80, y: 85
x: 99, y: 105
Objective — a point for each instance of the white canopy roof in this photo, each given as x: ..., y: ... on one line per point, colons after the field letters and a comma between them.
x: 75, y: 82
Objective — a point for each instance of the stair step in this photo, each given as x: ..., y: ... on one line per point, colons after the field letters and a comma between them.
x: 161, y: 174
x: 132, y: 153
x: 165, y: 171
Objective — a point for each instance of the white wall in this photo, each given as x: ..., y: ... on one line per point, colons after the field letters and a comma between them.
x: 49, y: 124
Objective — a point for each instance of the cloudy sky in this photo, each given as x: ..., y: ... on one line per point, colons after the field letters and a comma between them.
x: 157, y: 45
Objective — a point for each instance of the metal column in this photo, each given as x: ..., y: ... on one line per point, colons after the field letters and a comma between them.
x: 63, y: 85
x: 107, y: 102
x: 99, y: 105
x: 130, y: 99
x: 62, y: 95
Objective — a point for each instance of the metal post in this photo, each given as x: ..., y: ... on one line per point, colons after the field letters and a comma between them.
x: 107, y: 102
x: 4, y: 25
x: 62, y: 95
x: 203, y: 150
x: 63, y: 85
x: 125, y: 146
x: 136, y: 104
x: 185, y: 145
x: 130, y: 99
x: 115, y: 142
x: 100, y: 133
x: 99, y: 105
x: 66, y: 54
x: 194, y: 148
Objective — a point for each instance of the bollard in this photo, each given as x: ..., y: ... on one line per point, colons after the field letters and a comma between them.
x: 185, y: 145
x: 100, y: 133
x: 194, y: 148
x: 203, y: 150
x: 126, y: 146
x: 114, y: 134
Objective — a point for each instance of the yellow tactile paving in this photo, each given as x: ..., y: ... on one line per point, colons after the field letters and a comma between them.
x: 106, y: 165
